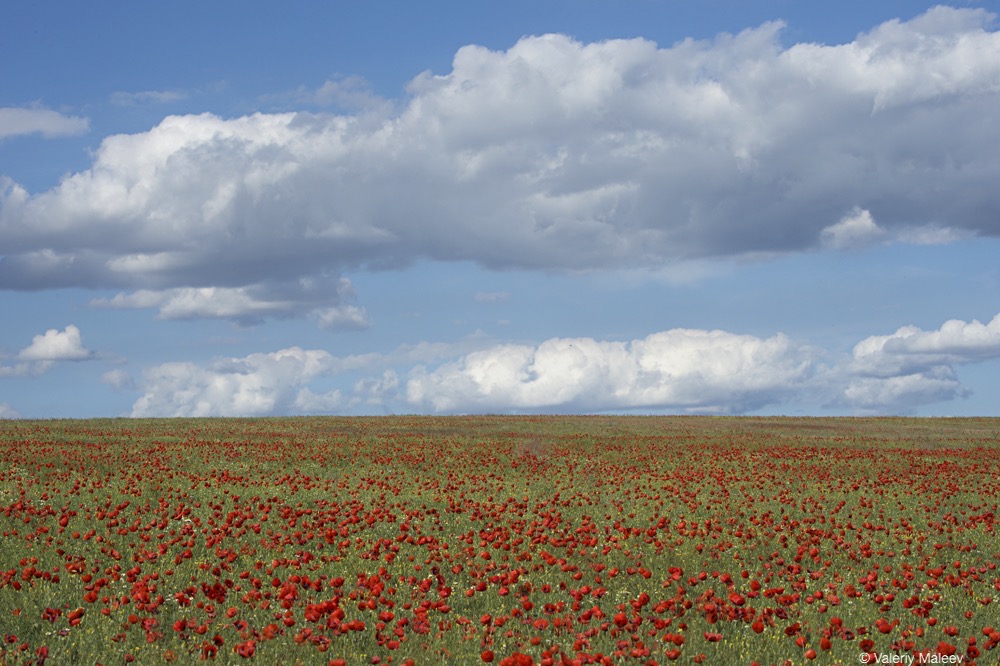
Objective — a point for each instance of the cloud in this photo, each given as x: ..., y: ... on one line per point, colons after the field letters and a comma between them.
x: 378, y: 391
x: 308, y: 402
x: 45, y: 350
x: 120, y: 380
x: 902, y: 394
x: 685, y: 370
x: 256, y: 384
x: 288, y: 381
x: 55, y: 345
x: 343, y: 317
x: 911, y: 367
x: 17, y: 121
x: 858, y: 230
x: 250, y: 305
x: 8, y: 412
x: 855, y: 230
x: 191, y: 303
x: 911, y: 349
x: 550, y: 155
x: 932, y: 235
x: 680, y: 369
x: 18, y: 369
x: 677, y: 370
x: 146, y: 97
x: 350, y: 93
x: 370, y: 391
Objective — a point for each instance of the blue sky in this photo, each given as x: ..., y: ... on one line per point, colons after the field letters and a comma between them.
x: 241, y: 208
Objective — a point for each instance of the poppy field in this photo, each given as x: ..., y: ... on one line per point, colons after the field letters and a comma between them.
x: 495, y: 539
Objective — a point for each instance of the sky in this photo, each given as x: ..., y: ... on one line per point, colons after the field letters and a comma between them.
x: 557, y: 206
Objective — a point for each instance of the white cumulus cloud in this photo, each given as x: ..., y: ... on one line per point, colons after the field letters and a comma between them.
x: 677, y: 370
x: 913, y: 367
x: 912, y: 349
x: 551, y: 154
x: 47, y: 349
x: 688, y: 370
x: 256, y: 384
x: 680, y: 369
x: 278, y: 382
x: 56, y: 345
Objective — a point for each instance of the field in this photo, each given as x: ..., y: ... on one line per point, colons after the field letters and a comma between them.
x: 511, y: 540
